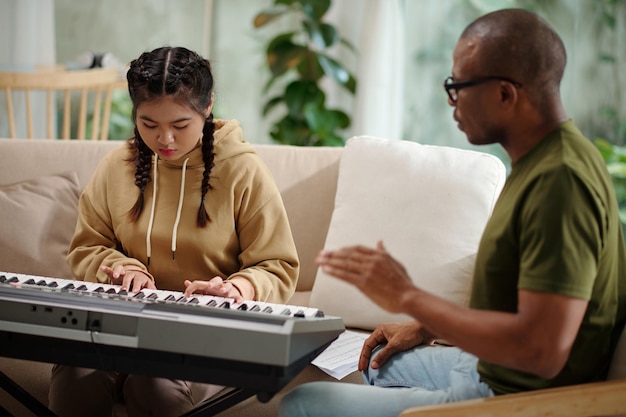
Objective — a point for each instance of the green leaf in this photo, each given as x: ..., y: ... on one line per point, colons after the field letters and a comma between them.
x: 268, y: 15
x: 323, y: 121
x: 283, y: 54
x: 323, y: 35
x: 337, y: 72
x: 315, y: 9
x: 299, y: 94
x: 347, y: 44
x: 310, y: 68
x: 271, y: 103
x: 291, y: 131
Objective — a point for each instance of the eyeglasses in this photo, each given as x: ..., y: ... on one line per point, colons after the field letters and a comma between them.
x: 453, y: 88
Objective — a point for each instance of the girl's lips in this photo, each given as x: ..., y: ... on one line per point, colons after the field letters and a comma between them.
x: 167, y: 152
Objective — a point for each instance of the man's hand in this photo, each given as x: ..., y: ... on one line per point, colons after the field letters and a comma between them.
x: 130, y: 278
x: 214, y: 286
x: 373, y: 271
x: 397, y: 337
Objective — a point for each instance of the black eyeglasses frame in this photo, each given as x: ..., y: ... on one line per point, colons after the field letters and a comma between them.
x: 449, y: 84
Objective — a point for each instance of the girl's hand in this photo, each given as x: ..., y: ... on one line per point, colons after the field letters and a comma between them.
x: 214, y: 286
x: 129, y: 277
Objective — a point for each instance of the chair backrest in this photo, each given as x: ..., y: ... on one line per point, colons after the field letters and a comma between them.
x: 94, y: 85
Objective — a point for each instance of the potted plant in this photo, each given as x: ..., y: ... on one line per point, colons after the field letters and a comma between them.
x: 301, y: 56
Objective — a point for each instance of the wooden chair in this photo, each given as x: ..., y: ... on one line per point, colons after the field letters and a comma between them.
x: 607, y: 398
x: 95, y: 87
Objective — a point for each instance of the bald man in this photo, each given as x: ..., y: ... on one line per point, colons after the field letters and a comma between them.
x: 549, y: 293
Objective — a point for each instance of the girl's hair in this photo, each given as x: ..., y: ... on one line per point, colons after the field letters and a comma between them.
x: 186, y: 77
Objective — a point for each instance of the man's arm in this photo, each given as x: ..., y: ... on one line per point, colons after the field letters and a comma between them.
x: 536, y: 339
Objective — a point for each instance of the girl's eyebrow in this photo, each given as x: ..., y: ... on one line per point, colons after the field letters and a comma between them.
x: 182, y: 119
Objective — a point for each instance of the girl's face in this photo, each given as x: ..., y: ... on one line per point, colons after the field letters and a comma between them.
x: 169, y: 129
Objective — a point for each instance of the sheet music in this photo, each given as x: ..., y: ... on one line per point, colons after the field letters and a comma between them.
x: 341, y: 357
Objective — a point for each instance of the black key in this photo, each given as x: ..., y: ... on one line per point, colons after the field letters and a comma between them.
x: 319, y: 313
x: 3, y: 278
x: 170, y: 298
x: 123, y: 292
x: 99, y: 289
x: 255, y: 308
x: 181, y: 299
x: 243, y: 307
x: 53, y: 284
x: 268, y: 309
x: 153, y: 296
x: 194, y: 300
x: 225, y: 304
x: 69, y: 286
x: 29, y: 281
x: 83, y: 287
x: 139, y: 295
x: 42, y: 282
x: 285, y: 312
x: 212, y: 303
x: 12, y: 279
x: 299, y: 313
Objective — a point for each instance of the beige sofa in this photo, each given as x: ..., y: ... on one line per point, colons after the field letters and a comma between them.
x: 307, y: 179
x: 403, y: 193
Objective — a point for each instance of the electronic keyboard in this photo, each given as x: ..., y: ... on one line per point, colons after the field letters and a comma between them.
x: 252, y: 345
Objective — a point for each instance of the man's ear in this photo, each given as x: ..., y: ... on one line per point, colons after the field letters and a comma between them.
x: 508, y: 93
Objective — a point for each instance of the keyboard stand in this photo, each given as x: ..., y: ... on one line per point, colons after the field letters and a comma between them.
x: 253, y: 379
x: 211, y: 407
x: 23, y: 397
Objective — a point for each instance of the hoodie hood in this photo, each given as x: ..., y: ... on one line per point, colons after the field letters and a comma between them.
x: 228, y: 140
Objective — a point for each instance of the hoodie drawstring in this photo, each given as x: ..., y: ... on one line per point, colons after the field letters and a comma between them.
x: 154, y: 192
x: 180, y: 207
x: 178, y: 211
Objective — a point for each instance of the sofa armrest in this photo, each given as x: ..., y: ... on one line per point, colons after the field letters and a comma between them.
x: 584, y: 400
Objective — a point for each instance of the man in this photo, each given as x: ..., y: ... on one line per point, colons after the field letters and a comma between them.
x: 549, y: 293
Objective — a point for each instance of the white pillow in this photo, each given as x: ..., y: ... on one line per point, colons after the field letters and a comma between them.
x: 428, y: 204
x: 38, y: 222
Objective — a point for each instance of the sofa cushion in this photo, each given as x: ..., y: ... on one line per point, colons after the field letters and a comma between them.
x: 39, y: 217
x: 428, y: 204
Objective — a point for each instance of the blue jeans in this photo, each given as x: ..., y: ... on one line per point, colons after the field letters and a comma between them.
x: 421, y: 376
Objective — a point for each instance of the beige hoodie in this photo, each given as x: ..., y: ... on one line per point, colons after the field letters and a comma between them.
x: 248, y: 234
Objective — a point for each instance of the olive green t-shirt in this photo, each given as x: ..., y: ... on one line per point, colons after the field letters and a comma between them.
x: 556, y: 229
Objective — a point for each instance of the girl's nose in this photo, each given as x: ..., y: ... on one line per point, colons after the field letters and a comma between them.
x: 166, y: 137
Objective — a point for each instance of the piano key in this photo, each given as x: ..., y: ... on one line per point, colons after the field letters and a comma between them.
x: 151, y: 295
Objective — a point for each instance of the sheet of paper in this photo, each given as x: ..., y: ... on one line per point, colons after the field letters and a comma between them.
x: 341, y: 357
